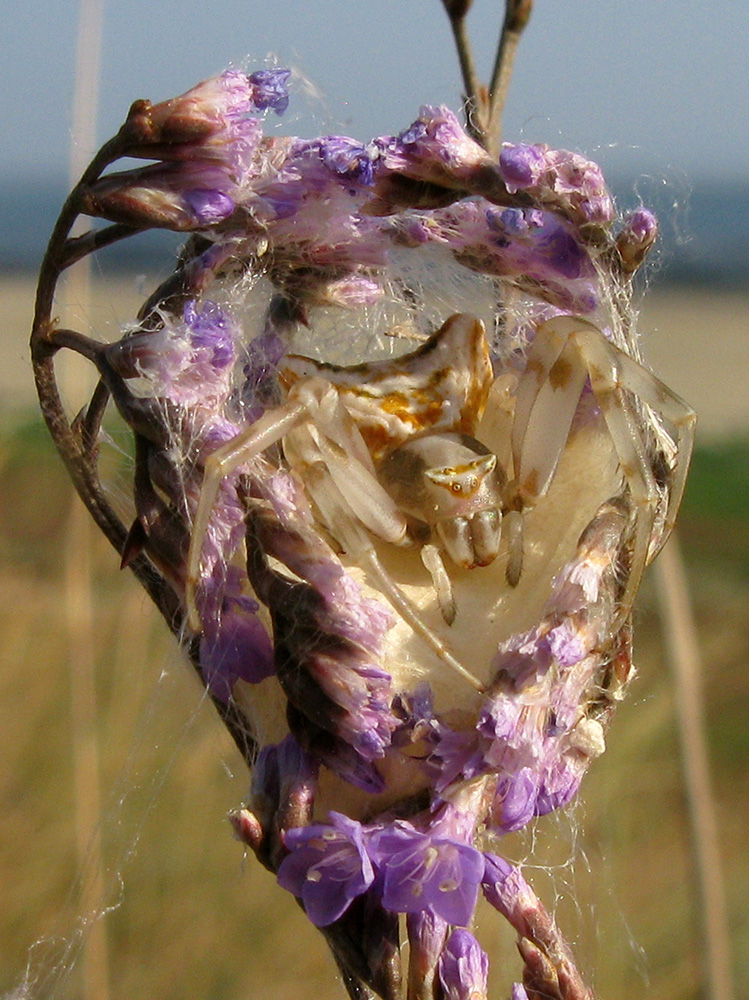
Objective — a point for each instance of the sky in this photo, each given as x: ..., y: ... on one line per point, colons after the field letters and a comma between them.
x: 643, y: 86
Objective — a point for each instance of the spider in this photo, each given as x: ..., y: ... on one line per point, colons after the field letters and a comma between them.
x: 387, y: 451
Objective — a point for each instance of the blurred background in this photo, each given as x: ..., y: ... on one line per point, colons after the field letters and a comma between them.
x: 114, y: 790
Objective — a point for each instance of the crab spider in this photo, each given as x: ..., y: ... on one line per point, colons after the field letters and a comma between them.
x: 386, y: 450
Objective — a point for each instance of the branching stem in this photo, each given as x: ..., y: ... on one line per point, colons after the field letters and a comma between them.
x: 483, y: 105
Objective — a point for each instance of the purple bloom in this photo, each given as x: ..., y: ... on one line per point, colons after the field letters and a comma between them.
x: 535, y: 249
x: 182, y: 196
x: 642, y: 224
x: 270, y: 90
x: 190, y: 362
x: 435, y: 148
x: 575, y: 183
x: 463, y: 967
x: 515, y: 801
x: 327, y: 867
x: 212, y: 330
x: 235, y: 646
x: 208, y: 207
x: 213, y: 121
x: 567, y: 644
x: 560, y: 784
x: 639, y: 233
x: 344, y: 157
x: 284, y: 781
x: 504, y: 886
x: 421, y: 871
x: 521, y: 166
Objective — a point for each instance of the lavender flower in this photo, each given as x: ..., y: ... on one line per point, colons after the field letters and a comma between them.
x: 270, y: 90
x: 463, y: 968
x: 558, y: 174
x: 179, y: 196
x: 236, y: 644
x: 426, y: 872
x: 327, y: 867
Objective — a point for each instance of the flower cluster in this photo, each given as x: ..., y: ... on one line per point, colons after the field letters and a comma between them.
x: 410, y: 708
x: 207, y: 143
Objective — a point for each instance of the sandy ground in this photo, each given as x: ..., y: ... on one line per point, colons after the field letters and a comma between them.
x: 696, y: 341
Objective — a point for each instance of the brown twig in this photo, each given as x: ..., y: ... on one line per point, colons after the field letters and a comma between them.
x: 484, y: 106
x: 517, y: 15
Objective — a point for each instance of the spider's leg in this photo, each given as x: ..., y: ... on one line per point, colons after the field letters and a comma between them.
x: 548, y: 425
x: 547, y: 398
x: 614, y: 378
x: 358, y: 545
x: 334, y: 438
x: 368, y: 557
x: 430, y: 556
x: 363, y: 494
x: 265, y: 431
x: 647, y: 387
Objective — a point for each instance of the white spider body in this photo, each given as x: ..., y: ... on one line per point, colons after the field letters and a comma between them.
x: 430, y: 447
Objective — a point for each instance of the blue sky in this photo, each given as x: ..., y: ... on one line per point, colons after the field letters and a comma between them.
x: 656, y: 86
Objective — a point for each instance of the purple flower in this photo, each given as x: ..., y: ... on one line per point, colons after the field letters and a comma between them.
x: 421, y: 871
x: 182, y: 196
x: 456, y: 755
x: 189, y: 362
x: 327, y: 867
x: 270, y: 90
x: 558, y: 176
x: 213, y: 121
x: 235, y: 646
x: 346, y: 158
x: 521, y: 166
x: 515, y: 801
x: 284, y: 781
x: 463, y: 967
x: 559, y: 785
x: 535, y: 249
x: 208, y: 207
x: 504, y: 887
x: 434, y: 148
x: 568, y: 644
x: 639, y: 233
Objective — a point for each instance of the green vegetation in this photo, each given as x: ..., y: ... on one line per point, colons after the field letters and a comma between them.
x: 190, y: 919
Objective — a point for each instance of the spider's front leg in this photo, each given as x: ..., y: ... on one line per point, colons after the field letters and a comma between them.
x: 566, y: 353
x: 323, y: 445
x: 313, y: 402
x: 270, y: 428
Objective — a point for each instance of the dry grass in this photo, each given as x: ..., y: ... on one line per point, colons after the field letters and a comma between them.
x: 189, y: 919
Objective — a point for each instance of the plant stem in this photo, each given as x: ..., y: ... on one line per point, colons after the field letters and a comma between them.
x: 683, y: 653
